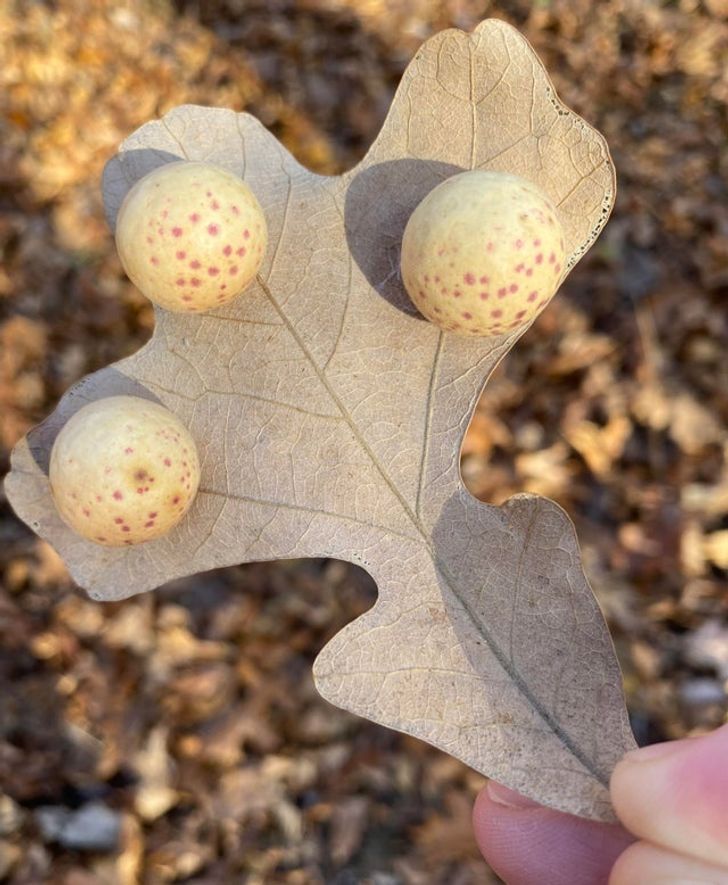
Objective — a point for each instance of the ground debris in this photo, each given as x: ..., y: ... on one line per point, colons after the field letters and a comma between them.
x: 178, y: 736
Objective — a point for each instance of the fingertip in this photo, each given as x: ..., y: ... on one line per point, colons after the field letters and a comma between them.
x: 529, y: 843
x: 643, y: 863
x: 688, y: 781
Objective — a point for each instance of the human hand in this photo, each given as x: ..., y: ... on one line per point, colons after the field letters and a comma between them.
x: 671, y: 798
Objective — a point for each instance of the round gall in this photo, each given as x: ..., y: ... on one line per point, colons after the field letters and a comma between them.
x: 191, y: 236
x: 483, y: 253
x: 123, y: 470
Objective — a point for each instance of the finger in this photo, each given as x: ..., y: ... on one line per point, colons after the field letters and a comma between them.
x: 676, y: 795
x: 527, y: 844
x: 646, y: 864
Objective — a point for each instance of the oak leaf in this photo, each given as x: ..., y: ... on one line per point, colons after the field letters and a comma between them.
x: 329, y: 418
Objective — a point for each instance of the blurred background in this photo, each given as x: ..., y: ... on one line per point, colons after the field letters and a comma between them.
x: 177, y: 736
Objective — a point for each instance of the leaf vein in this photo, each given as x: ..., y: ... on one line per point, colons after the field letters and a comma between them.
x: 301, y: 508
x: 164, y: 123
x: 428, y: 419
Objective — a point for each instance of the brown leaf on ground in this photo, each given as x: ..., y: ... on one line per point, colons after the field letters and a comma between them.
x: 348, y: 823
x: 447, y: 837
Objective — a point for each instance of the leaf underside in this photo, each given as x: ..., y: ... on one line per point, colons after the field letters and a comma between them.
x: 329, y: 417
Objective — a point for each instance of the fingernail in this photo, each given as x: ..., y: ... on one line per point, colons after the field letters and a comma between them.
x: 510, y: 798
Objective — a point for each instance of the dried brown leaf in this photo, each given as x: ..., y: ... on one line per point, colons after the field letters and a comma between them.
x: 329, y: 418
x: 600, y: 446
x: 154, y: 795
x: 716, y: 548
x: 348, y: 823
x: 447, y: 838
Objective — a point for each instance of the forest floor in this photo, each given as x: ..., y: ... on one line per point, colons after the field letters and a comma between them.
x: 177, y: 736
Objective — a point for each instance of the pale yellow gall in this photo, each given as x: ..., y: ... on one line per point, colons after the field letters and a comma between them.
x: 191, y: 236
x: 123, y: 470
x: 483, y: 253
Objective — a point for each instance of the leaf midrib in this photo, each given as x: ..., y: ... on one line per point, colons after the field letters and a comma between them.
x: 449, y: 579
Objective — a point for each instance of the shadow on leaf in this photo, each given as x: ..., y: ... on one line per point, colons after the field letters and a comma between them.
x: 123, y: 171
x: 100, y: 385
x: 374, y: 227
